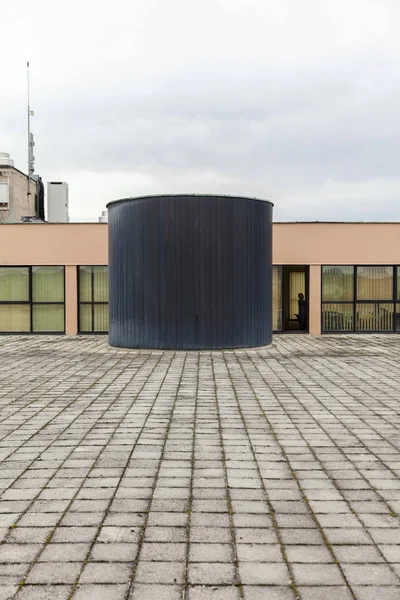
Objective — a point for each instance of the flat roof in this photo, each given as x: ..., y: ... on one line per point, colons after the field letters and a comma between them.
x: 221, y: 437
x: 274, y: 222
x: 15, y: 169
x: 151, y: 196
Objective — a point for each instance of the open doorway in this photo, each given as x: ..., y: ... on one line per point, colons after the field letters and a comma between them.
x: 294, y: 282
x: 288, y: 282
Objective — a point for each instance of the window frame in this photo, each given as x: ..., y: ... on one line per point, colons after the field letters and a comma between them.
x: 92, y: 302
x: 281, y: 296
x: 31, y: 303
x: 356, y: 301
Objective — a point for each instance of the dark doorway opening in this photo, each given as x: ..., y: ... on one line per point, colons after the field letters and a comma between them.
x: 294, y: 282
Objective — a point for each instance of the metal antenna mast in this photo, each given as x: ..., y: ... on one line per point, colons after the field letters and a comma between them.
x: 31, y: 143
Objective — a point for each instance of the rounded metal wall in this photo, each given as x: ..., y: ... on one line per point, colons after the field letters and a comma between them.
x: 190, y: 272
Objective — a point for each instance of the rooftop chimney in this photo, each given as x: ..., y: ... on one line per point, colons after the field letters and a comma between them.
x: 5, y: 160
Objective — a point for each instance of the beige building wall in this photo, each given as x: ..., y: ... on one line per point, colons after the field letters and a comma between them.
x: 336, y: 243
x: 54, y: 244
x: 312, y: 244
x: 20, y: 203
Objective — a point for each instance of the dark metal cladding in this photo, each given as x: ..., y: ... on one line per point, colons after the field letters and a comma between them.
x: 190, y: 272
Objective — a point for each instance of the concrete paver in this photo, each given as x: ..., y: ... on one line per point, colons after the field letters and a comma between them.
x: 256, y: 473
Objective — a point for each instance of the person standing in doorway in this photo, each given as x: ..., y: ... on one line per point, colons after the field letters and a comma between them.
x: 302, y: 316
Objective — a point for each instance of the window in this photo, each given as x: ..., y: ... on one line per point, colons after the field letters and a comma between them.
x: 337, y: 284
x: 297, y: 285
x: 4, y: 195
x: 337, y: 298
x: 374, y: 283
x: 32, y: 299
x: 337, y: 317
x: 277, y: 298
x: 359, y: 298
x: 93, y: 299
x: 374, y: 317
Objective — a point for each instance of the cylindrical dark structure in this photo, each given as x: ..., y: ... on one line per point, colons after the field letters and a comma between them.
x: 190, y: 272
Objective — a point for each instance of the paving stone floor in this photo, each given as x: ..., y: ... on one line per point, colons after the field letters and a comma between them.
x: 267, y: 473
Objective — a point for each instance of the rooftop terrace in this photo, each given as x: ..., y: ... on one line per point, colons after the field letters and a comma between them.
x: 268, y: 473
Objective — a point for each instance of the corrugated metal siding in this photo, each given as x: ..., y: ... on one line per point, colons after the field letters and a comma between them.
x: 190, y: 272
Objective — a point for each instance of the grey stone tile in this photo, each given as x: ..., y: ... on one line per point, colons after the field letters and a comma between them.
x: 256, y: 536
x: 165, y: 534
x: 117, y: 534
x: 302, y: 537
x: 74, y: 534
x: 211, y: 574
x: 114, y: 572
x: 210, y: 520
x: 220, y: 535
x: 44, y: 592
x: 155, y: 592
x: 117, y: 552
x: 264, y: 573
x: 210, y: 553
x: 325, y: 592
x: 347, y: 536
x: 39, y: 520
x: 160, y: 572
x: 58, y: 572
x: 12, y: 573
x: 268, y: 593
x: 369, y: 574
x: 259, y: 553
x: 308, y: 554
x: 18, y: 553
x: 202, y: 592
x: 167, y: 519
x: 64, y: 552
x: 154, y: 551
x: 101, y: 592
x: 82, y: 519
x: 251, y: 520
x: 358, y: 554
x: 29, y: 535
x: 384, y: 535
x: 374, y: 592
x: 318, y: 574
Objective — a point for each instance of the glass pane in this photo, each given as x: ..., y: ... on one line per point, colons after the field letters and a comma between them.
x: 85, y: 317
x: 48, y: 284
x: 337, y: 317
x: 101, y: 317
x: 297, y: 285
x: 85, y: 284
x: 14, y: 283
x: 337, y: 283
x: 397, y: 318
x: 48, y: 317
x: 374, y: 283
x: 277, y: 298
x: 100, y: 284
x: 398, y: 283
x: 375, y: 317
x: 15, y: 317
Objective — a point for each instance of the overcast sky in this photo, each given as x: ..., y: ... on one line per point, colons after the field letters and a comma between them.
x: 296, y: 101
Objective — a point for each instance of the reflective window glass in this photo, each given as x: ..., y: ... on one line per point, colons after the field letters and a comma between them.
x: 337, y: 317
x: 374, y: 317
x: 14, y: 284
x: 337, y: 283
x: 374, y: 283
x: 48, y: 284
x: 15, y: 318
